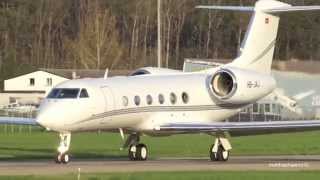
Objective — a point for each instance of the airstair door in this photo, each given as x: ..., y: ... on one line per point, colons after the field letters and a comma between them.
x: 109, y: 104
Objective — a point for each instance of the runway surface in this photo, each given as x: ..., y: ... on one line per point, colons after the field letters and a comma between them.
x: 236, y: 163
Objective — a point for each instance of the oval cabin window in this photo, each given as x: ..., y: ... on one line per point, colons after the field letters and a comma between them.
x: 173, y: 98
x: 185, y: 97
x: 149, y: 99
x: 161, y: 99
x: 137, y: 100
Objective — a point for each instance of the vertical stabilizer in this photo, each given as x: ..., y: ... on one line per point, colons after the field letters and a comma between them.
x: 257, y: 49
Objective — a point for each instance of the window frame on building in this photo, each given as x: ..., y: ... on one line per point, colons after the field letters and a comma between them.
x: 32, y: 81
x: 255, y: 108
x: 267, y: 108
x: 261, y: 109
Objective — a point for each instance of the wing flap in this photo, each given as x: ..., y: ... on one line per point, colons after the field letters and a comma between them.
x: 243, y: 128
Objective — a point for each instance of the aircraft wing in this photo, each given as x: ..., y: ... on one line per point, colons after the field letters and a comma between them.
x: 18, y: 121
x: 243, y: 128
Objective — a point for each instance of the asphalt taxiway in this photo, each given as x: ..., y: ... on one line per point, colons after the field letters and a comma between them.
x: 236, y: 163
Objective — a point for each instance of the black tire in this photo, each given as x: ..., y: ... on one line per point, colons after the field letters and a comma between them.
x: 57, y: 159
x: 131, y: 154
x: 213, y: 155
x: 222, y: 155
x: 65, y: 158
x: 142, y: 152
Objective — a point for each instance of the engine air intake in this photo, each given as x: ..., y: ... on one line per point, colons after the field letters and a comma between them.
x: 223, y: 84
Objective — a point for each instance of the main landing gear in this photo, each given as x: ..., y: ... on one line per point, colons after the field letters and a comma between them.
x: 136, y: 150
x: 219, y: 151
x: 62, y: 155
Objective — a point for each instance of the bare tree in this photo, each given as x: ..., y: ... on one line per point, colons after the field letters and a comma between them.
x: 97, y: 45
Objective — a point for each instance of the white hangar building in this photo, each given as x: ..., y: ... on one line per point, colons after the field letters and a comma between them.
x: 35, y: 82
x: 29, y: 88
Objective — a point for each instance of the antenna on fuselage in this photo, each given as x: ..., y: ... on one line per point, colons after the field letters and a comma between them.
x: 106, y: 74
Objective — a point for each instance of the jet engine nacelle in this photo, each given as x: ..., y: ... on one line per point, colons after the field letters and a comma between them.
x: 153, y: 71
x: 238, y: 86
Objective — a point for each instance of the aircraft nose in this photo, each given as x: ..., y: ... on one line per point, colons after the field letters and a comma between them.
x: 54, y: 116
x: 43, y: 120
x: 47, y: 115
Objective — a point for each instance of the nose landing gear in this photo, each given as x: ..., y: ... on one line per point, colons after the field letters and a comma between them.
x: 62, y: 155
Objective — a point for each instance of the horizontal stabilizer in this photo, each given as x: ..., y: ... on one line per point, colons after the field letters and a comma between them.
x: 291, y: 9
x: 228, y: 8
x: 276, y: 10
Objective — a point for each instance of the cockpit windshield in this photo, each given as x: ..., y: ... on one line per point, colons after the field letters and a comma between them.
x: 64, y: 93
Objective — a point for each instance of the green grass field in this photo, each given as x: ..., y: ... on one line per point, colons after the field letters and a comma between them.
x: 42, y: 145
x: 18, y: 144
x: 308, y: 175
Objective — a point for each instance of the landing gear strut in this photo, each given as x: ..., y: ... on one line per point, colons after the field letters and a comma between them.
x: 136, y: 150
x: 62, y: 155
x: 219, y: 151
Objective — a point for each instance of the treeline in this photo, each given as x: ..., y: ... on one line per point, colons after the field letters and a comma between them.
x: 122, y: 34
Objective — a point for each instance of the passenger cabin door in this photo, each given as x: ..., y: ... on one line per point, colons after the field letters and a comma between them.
x: 109, y: 104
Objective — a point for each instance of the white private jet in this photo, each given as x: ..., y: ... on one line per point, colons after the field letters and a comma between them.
x: 160, y: 102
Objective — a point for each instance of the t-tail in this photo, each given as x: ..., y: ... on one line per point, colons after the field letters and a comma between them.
x: 257, y: 49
